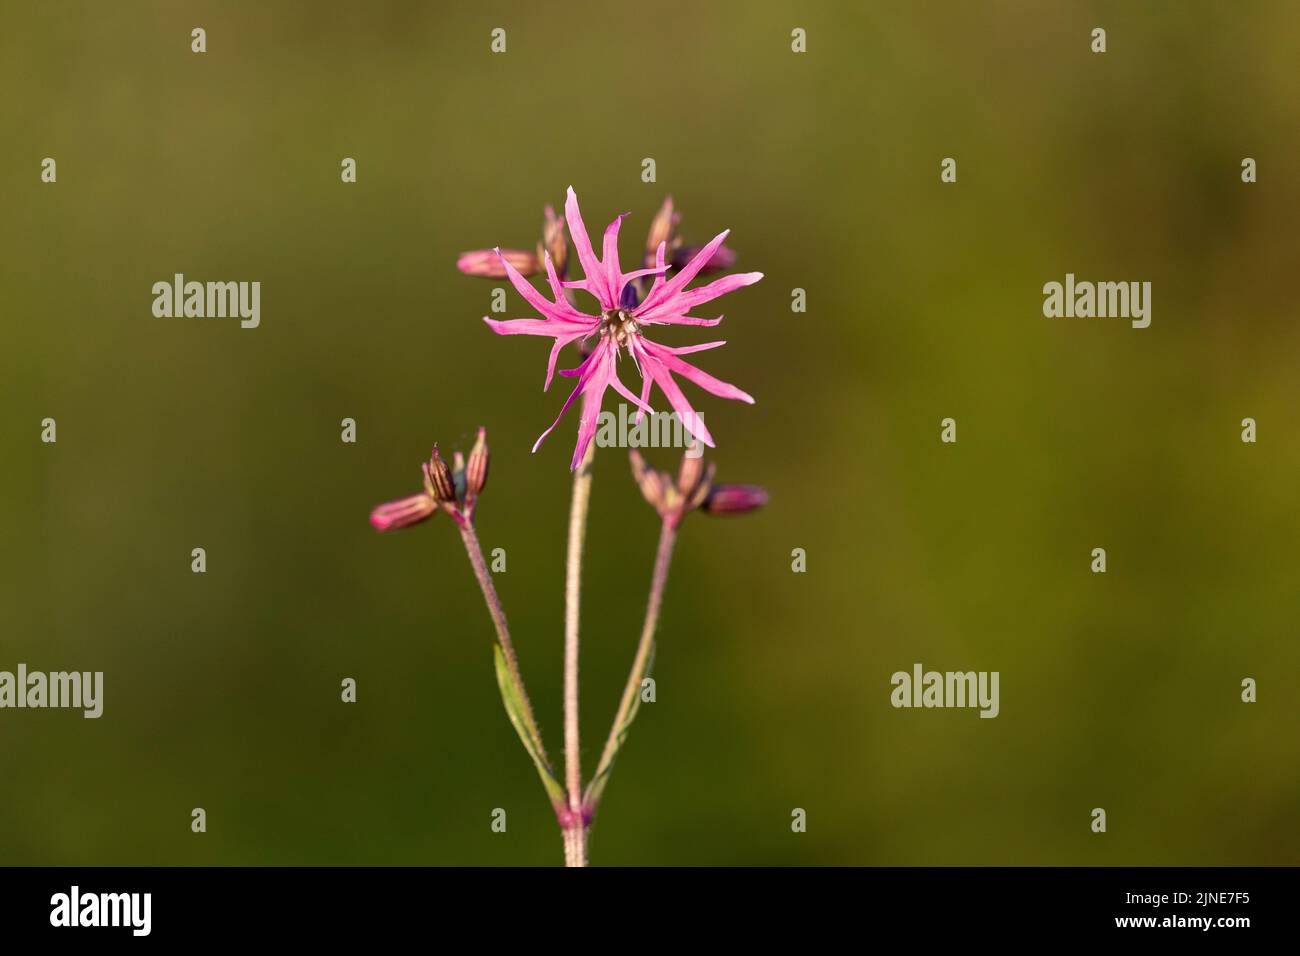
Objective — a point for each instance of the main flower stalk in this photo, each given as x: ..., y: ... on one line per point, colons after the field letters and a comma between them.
x: 574, y: 823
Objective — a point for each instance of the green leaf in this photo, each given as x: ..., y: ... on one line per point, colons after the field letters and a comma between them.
x: 512, y: 695
x: 618, y: 735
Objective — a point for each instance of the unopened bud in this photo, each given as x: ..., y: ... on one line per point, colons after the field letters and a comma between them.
x: 663, y: 228
x: 553, y: 240
x: 487, y: 264
x: 651, y: 482
x: 734, y: 499
x: 476, y: 469
x: 693, y: 478
x: 722, y: 258
x: 402, y: 513
x: 439, y: 477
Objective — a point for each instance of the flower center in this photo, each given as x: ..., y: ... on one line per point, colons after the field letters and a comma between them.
x: 619, y: 325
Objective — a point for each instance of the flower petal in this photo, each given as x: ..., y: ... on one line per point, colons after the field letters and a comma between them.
x: 562, y: 304
x: 679, y: 282
x: 683, y: 302
x: 591, y: 403
x: 662, y: 268
x: 590, y: 368
x: 691, y: 421
x: 534, y: 298
x: 617, y: 384
x: 560, y: 342
x: 687, y: 349
x: 586, y: 255
x: 613, y: 277
x: 679, y: 320
x: 526, y: 326
x: 700, y: 377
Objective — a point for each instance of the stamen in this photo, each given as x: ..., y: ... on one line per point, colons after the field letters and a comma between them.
x: 619, y: 325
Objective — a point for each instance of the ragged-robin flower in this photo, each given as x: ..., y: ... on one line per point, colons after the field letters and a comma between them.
x: 620, y: 325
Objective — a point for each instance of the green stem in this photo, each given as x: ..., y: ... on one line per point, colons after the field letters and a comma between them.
x: 498, y: 615
x: 574, y: 825
x: 640, y: 665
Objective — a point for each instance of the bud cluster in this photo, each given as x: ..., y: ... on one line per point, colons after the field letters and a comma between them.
x: 692, y: 489
x: 452, y: 488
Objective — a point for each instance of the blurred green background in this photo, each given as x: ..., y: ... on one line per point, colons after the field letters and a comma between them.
x: 924, y: 301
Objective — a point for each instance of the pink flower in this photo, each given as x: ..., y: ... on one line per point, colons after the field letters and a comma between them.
x: 620, y: 325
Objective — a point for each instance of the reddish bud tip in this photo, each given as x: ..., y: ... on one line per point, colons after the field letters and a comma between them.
x: 403, y: 512
x: 722, y: 258
x: 734, y: 499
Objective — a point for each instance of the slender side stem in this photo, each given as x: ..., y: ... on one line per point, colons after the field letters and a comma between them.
x: 498, y: 614
x: 645, y: 648
x: 576, y: 827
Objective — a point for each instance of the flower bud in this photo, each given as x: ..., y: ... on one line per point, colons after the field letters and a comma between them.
x: 694, y: 478
x: 663, y: 228
x: 734, y: 499
x: 476, y: 470
x: 553, y: 240
x: 651, y: 482
x: 439, y: 477
x: 487, y: 264
x: 403, y: 512
x: 722, y: 258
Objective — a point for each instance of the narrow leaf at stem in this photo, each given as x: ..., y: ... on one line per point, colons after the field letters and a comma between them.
x: 509, y: 678
x: 517, y: 709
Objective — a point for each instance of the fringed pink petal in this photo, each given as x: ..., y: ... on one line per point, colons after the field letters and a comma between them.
x: 679, y: 320
x: 700, y: 377
x: 679, y: 281
x: 534, y: 298
x: 683, y: 302
x: 616, y: 383
x: 595, y: 277
x: 688, y: 349
x: 692, y: 422
x: 661, y: 268
x: 589, y: 368
x: 528, y: 327
x: 560, y: 342
x: 609, y: 260
x: 562, y: 304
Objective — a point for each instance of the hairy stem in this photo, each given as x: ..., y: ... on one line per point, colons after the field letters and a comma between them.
x: 640, y: 664
x: 575, y: 838
x: 498, y: 614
